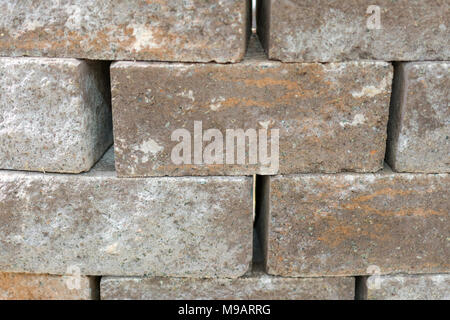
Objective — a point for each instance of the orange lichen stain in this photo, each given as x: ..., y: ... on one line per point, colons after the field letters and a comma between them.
x: 296, y: 94
x: 265, y: 82
x: 336, y: 233
x: 242, y: 102
x: 20, y: 286
x: 373, y: 152
x: 360, y: 204
x: 102, y: 38
x: 382, y: 192
x: 420, y: 212
x: 161, y: 2
x: 74, y: 42
x: 335, y: 104
x: 30, y: 44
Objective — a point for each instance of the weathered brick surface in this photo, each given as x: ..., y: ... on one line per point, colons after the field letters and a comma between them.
x: 331, y: 117
x: 419, y: 125
x: 104, y: 225
x: 55, y: 114
x: 255, y: 286
x: 163, y: 30
x: 20, y: 286
x: 348, y: 224
x: 407, y: 287
x: 327, y: 31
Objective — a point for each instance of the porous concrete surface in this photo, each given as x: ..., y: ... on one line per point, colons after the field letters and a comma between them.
x: 20, y: 286
x: 356, y: 224
x: 55, y: 114
x: 254, y: 286
x: 419, y: 124
x: 330, y: 117
x: 408, y: 287
x: 336, y: 30
x: 163, y: 30
x: 103, y: 225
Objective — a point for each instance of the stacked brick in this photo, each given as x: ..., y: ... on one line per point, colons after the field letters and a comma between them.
x: 168, y: 211
x: 393, y: 223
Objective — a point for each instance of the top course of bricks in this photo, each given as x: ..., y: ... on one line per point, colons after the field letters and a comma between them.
x: 218, y: 30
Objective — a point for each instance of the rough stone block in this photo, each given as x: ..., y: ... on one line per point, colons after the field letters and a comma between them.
x: 330, y: 31
x: 356, y: 224
x: 163, y: 30
x: 254, y: 286
x: 330, y: 117
x: 103, y: 225
x: 20, y: 286
x: 55, y: 114
x: 407, y: 287
x: 419, y: 125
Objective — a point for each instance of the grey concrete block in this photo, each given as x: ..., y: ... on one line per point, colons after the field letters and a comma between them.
x: 330, y: 117
x: 315, y: 225
x: 254, y: 286
x: 104, y: 225
x: 163, y: 30
x: 407, y: 287
x: 55, y: 114
x: 419, y: 124
x: 336, y: 30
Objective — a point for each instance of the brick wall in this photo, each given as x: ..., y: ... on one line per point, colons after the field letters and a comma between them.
x: 163, y: 151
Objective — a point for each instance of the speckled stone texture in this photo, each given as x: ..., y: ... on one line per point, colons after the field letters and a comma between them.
x: 254, y: 286
x: 103, y: 225
x: 336, y: 30
x: 355, y: 224
x: 407, y: 287
x: 55, y: 114
x: 20, y: 286
x: 330, y: 117
x: 162, y: 30
x: 419, y: 126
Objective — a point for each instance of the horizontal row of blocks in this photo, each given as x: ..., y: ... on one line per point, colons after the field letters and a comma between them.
x: 55, y: 115
x: 203, y: 31
x: 310, y: 225
x: 255, y: 286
